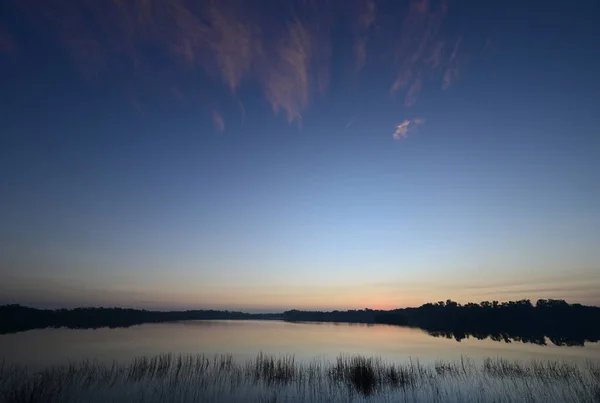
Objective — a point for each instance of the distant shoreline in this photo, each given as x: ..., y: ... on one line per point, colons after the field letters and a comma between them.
x: 564, y: 324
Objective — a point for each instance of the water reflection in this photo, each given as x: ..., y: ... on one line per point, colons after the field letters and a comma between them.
x: 538, y: 339
x: 499, y: 337
x: 553, y: 321
x: 245, y: 339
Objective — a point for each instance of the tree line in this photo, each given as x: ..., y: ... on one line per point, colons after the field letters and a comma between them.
x: 560, y: 322
x: 15, y: 318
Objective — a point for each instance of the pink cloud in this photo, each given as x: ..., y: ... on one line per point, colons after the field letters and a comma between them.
x: 366, y: 18
x: 231, y: 42
x: 411, y: 94
x: 435, y: 59
x: 287, y: 82
x: 407, y: 125
x: 420, y: 52
x: 452, y: 71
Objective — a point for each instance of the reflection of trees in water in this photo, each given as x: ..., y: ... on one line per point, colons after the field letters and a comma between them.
x: 561, y: 323
x: 538, y: 339
x: 555, y: 320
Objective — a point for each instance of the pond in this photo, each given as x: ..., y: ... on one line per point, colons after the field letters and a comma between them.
x: 245, y: 339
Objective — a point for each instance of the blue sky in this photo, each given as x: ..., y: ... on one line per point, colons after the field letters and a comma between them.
x: 251, y: 163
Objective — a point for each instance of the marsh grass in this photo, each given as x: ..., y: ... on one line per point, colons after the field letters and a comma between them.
x: 269, y: 378
x: 272, y: 370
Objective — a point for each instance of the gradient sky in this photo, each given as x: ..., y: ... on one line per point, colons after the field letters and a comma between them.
x: 298, y: 154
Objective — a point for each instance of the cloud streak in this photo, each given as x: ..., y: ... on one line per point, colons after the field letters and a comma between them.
x: 422, y: 51
x: 287, y: 52
x: 218, y: 121
x: 407, y: 125
x: 287, y: 82
x: 452, y: 71
x: 366, y: 19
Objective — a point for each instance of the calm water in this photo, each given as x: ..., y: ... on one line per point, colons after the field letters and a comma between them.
x: 245, y: 339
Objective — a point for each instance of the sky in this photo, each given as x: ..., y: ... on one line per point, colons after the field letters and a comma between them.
x: 265, y: 156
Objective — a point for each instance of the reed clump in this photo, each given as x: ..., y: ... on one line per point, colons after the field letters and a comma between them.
x: 182, y: 378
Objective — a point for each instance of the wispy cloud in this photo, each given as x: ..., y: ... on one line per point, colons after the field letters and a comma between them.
x: 435, y: 58
x: 218, y: 121
x: 286, y: 83
x: 413, y: 90
x: 407, y: 125
x: 233, y: 43
x: 366, y: 18
x: 452, y: 71
x: 421, y: 52
x: 288, y: 56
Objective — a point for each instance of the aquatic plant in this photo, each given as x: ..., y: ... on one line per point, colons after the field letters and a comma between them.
x: 269, y: 378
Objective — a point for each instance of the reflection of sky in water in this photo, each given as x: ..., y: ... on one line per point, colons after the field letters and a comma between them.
x: 245, y: 339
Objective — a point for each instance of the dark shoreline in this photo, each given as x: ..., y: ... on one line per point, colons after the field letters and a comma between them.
x: 564, y: 324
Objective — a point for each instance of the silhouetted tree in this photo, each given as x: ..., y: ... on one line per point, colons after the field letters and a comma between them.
x: 556, y: 320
